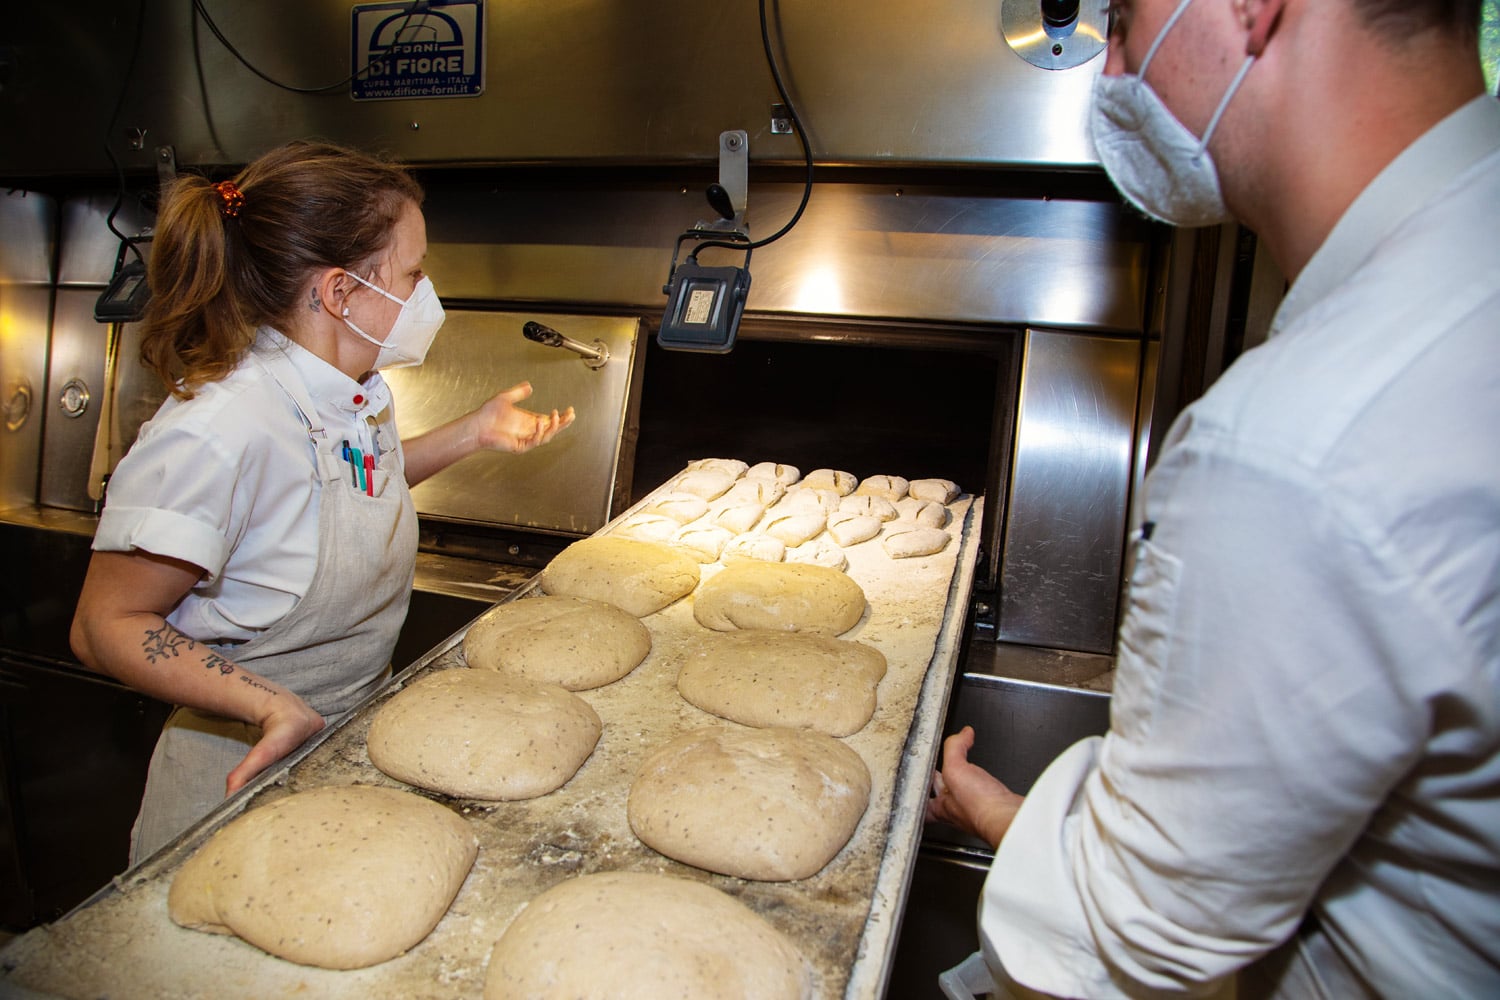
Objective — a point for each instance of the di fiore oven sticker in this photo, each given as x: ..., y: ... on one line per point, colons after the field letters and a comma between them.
x: 407, y: 49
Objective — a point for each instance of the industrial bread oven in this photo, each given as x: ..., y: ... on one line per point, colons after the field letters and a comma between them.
x: 964, y: 297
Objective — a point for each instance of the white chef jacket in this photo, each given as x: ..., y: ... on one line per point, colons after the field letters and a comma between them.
x: 227, y: 481
x: 1304, y: 751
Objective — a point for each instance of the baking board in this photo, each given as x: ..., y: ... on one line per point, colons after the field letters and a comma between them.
x: 122, y: 945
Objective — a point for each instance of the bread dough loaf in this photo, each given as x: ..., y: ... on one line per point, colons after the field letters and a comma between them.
x: 893, y: 488
x: 819, y: 552
x: 830, y: 479
x: 703, y: 541
x: 850, y: 528
x: 479, y: 734
x: 794, y: 527
x: 680, y: 507
x: 731, y: 467
x: 786, y: 475
x: 642, y: 936
x: 766, y: 804
x: 792, y: 679
x: 706, y: 483
x: 801, y: 498
x: 757, y: 546
x: 790, y: 597
x: 871, y: 506
x: 943, y: 491
x: 657, y: 528
x: 927, y: 513
x: 640, y: 577
x: 738, y: 517
x: 571, y: 641
x: 761, y: 491
x: 341, y: 876
x: 906, y: 539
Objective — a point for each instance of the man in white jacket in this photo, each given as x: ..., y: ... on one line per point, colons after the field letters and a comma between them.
x: 1299, y: 794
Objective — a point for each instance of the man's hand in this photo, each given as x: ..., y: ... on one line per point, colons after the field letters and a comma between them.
x: 968, y: 796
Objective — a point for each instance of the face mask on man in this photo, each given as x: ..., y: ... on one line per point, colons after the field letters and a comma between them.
x: 1161, y: 167
x: 411, y: 335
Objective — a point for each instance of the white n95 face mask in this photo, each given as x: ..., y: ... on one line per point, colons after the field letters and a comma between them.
x: 1158, y: 165
x: 411, y: 335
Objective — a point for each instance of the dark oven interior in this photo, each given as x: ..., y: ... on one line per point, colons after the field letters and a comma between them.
x: 896, y: 402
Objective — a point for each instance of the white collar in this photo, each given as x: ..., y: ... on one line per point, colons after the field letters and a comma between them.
x: 1421, y: 172
x: 328, y: 387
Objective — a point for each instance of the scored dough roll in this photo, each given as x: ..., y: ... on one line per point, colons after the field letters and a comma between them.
x: 943, y: 491
x: 703, y: 542
x: 642, y: 936
x: 831, y: 479
x: 478, y: 734
x: 791, y: 597
x: 908, y: 539
x: 791, y: 679
x: 640, y: 577
x: 766, y: 804
x: 649, y: 527
x: 893, y: 488
x: 571, y: 641
x: 819, y: 552
x: 753, y: 546
x: 341, y: 876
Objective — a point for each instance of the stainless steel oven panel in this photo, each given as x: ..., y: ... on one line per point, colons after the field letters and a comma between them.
x: 567, y: 486
x: 25, y: 315
x: 28, y: 240
x: 1070, y: 486
x: 28, y: 236
x: 88, y: 249
x: 74, y: 399
x: 860, y: 251
x: 876, y: 82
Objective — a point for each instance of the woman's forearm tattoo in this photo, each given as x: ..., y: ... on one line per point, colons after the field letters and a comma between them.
x: 167, y: 643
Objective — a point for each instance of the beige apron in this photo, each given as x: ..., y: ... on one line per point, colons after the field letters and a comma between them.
x: 333, y: 648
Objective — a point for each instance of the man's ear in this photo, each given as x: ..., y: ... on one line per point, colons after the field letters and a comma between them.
x: 1259, y: 18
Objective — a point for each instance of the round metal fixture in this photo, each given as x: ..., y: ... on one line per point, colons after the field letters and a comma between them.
x: 1055, y: 34
x: 74, y: 399
x: 1059, y: 13
x: 18, y: 406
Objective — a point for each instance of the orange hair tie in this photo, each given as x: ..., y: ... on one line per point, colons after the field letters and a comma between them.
x: 231, y: 197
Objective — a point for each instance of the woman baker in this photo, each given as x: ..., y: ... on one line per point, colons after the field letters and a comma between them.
x: 254, y: 560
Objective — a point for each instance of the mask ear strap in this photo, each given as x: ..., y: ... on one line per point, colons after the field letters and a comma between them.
x: 1161, y: 36
x: 1265, y: 24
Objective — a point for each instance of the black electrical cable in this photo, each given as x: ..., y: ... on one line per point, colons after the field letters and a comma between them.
x: 109, y: 128
x: 791, y: 113
x: 202, y: 12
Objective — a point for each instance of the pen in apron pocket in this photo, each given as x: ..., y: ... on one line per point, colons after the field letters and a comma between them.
x: 349, y: 457
x: 369, y: 475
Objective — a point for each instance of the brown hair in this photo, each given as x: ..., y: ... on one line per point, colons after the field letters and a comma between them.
x: 215, y: 277
x: 1397, y: 19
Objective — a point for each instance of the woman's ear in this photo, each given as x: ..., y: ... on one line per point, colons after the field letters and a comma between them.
x: 329, y: 290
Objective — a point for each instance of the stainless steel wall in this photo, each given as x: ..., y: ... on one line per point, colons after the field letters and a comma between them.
x: 877, y: 82
x: 27, y: 267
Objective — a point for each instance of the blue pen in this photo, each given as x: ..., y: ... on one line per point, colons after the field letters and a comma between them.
x: 353, y: 465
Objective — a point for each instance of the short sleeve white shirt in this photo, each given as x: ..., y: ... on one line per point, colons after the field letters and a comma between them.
x: 227, y: 481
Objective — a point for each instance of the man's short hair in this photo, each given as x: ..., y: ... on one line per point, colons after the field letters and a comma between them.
x: 1398, y: 18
